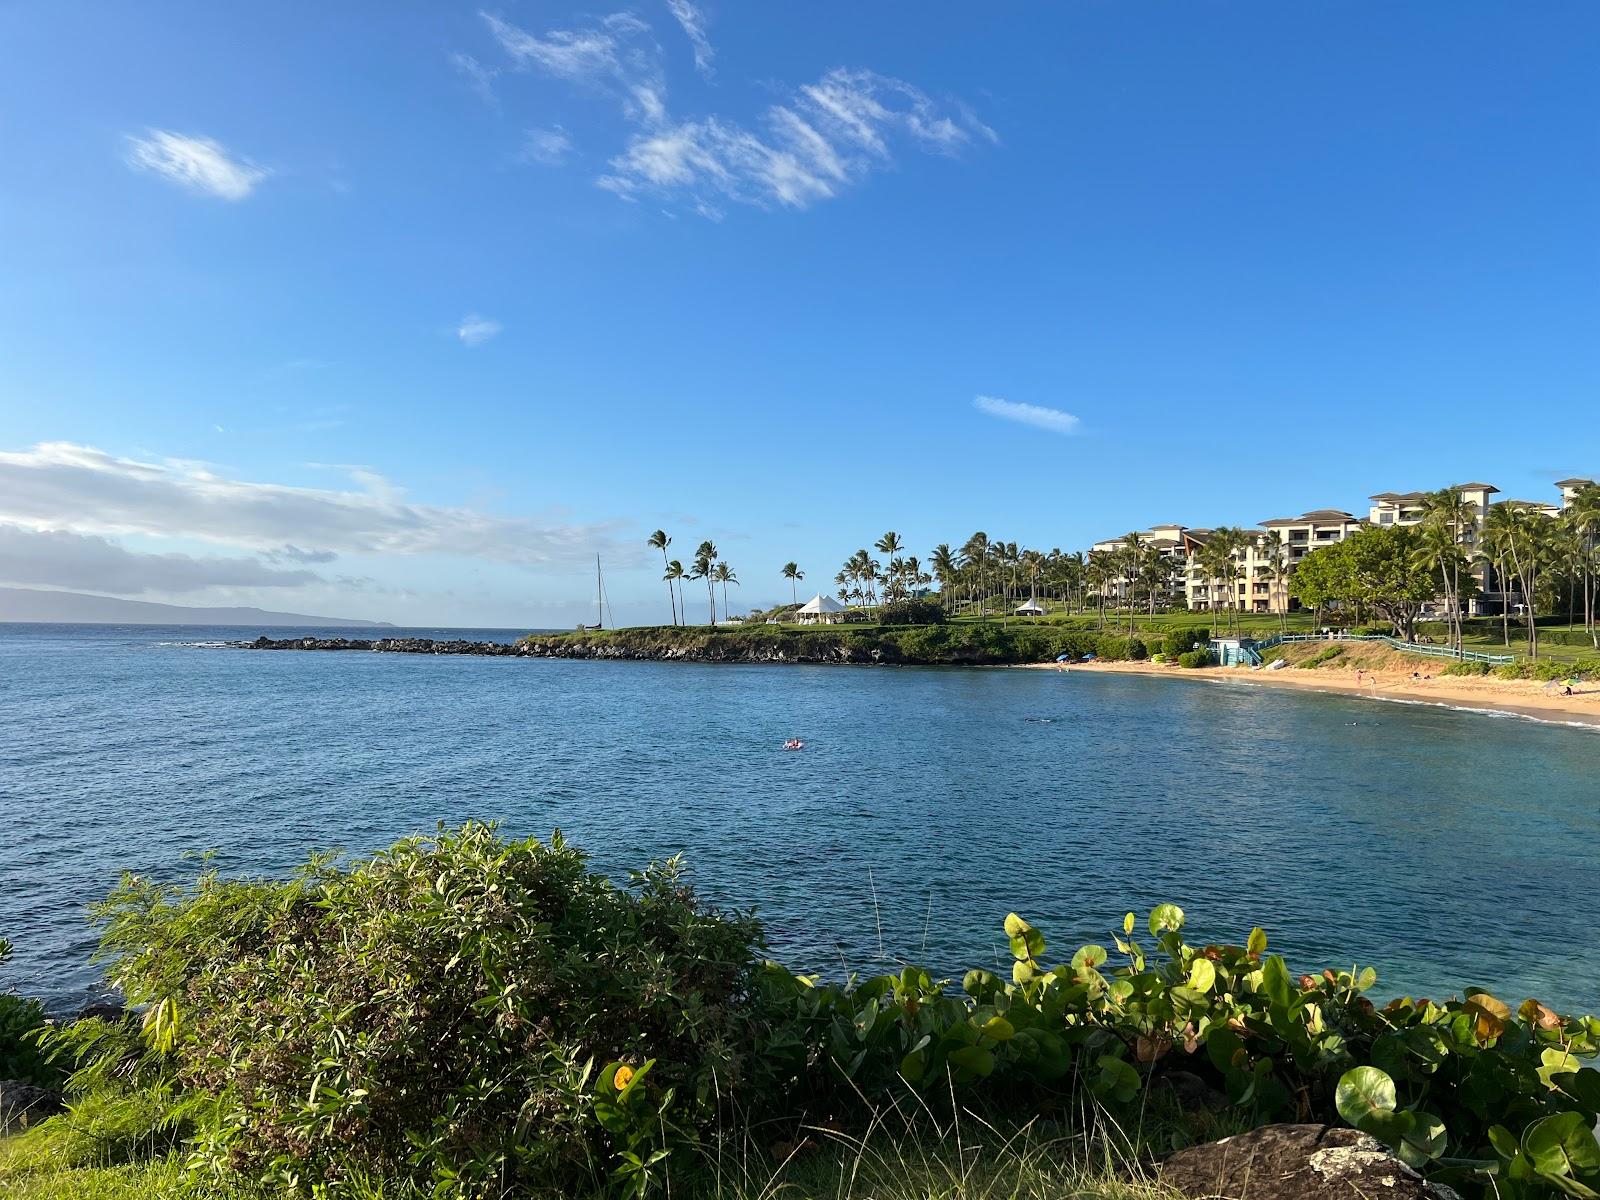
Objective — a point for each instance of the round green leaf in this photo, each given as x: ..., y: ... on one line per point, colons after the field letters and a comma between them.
x: 1165, y: 917
x: 973, y: 1058
x: 1088, y: 959
x: 1202, y: 975
x: 1364, y: 1093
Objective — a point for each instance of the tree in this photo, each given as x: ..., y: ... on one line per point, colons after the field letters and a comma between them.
x: 1521, y: 539
x: 1275, y: 566
x: 1447, y: 518
x: 1378, y: 569
x: 1583, y: 511
x: 890, y: 544
x: 724, y: 575
x: 1098, y: 574
x: 975, y: 558
x: 675, y: 572
x: 945, y: 570
x: 661, y: 541
x: 793, y: 573
x: 705, y: 558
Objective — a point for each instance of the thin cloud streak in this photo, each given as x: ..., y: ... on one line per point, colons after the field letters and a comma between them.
x: 694, y: 28
x: 1051, y: 419
x: 197, y: 163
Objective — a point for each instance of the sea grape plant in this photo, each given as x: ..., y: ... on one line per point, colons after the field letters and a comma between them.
x: 1467, y: 1089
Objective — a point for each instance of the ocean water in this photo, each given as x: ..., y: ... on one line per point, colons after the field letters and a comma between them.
x: 1445, y: 848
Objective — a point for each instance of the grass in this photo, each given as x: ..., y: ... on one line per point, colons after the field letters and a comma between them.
x: 964, y: 1159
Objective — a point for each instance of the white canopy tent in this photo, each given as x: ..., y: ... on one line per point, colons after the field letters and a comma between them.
x: 820, y: 610
x: 1031, y: 609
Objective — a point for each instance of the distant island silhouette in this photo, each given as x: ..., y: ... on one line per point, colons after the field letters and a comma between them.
x: 81, y: 608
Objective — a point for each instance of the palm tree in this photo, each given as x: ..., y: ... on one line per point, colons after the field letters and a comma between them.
x: 1098, y: 574
x: 661, y: 541
x: 1583, y: 510
x: 705, y: 558
x: 945, y: 570
x: 889, y: 544
x: 793, y: 573
x: 1276, y: 569
x: 1523, y: 538
x: 1448, y: 517
x: 724, y: 575
x: 1495, y: 552
x: 974, y: 558
x: 675, y: 573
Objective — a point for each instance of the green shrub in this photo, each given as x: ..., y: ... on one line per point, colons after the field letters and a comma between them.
x: 1326, y: 655
x: 1466, y: 668
x: 440, y: 1013
x: 1548, y: 670
x: 21, y: 1022
x: 1181, y: 641
x: 1116, y: 648
x: 1195, y: 658
x: 925, y: 611
x: 473, y: 1017
x: 1380, y: 629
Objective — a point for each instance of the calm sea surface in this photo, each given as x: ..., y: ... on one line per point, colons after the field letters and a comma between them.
x: 1445, y: 848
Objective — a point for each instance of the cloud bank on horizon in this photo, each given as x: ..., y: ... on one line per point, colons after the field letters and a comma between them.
x: 61, y: 504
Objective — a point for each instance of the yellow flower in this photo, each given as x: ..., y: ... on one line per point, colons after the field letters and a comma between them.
x: 621, y: 1078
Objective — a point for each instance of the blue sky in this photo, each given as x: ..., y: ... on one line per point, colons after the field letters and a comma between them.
x: 405, y: 311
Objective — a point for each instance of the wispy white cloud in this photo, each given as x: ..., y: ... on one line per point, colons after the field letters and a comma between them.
x: 197, y: 163
x: 475, y: 330
x: 63, y: 486
x: 694, y: 27
x: 830, y: 134
x: 616, y: 55
x: 479, y: 77
x: 547, y: 147
x: 1051, y: 419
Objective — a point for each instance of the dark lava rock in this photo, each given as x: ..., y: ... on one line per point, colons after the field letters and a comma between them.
x: 1296, y: 1162
x: 23, y: 1105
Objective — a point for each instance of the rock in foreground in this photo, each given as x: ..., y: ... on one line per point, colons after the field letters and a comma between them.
x: 1296, y: 1162
x: 23, y: 1105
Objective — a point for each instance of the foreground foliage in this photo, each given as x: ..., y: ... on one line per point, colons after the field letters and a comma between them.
x: 467, y: 1016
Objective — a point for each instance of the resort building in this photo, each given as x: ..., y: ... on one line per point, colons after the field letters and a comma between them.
x: 1570, y: 489
x: 1167, y: 540
x: 1262, y: 564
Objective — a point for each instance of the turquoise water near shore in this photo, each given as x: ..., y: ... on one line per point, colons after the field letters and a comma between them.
x: 1446, y: 848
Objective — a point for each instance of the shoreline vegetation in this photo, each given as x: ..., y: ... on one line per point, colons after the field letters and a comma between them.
x: 464, y: 1016
x: 1358, y: 669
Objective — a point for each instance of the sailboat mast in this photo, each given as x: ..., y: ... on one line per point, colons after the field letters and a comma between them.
x: 599, y: 596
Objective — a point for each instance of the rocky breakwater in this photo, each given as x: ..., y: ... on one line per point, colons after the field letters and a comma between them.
x: 622, y: 648
x: 402, y: 645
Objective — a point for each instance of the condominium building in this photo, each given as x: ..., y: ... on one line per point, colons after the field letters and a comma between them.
x: 1570, y: 489
x: 1168, y: 541
x: 1269, y: 554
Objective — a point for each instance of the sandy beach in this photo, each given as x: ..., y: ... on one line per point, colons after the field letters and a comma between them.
x: 1519, y: 697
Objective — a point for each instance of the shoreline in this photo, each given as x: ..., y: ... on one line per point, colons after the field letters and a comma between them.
x: 1507, y: 697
